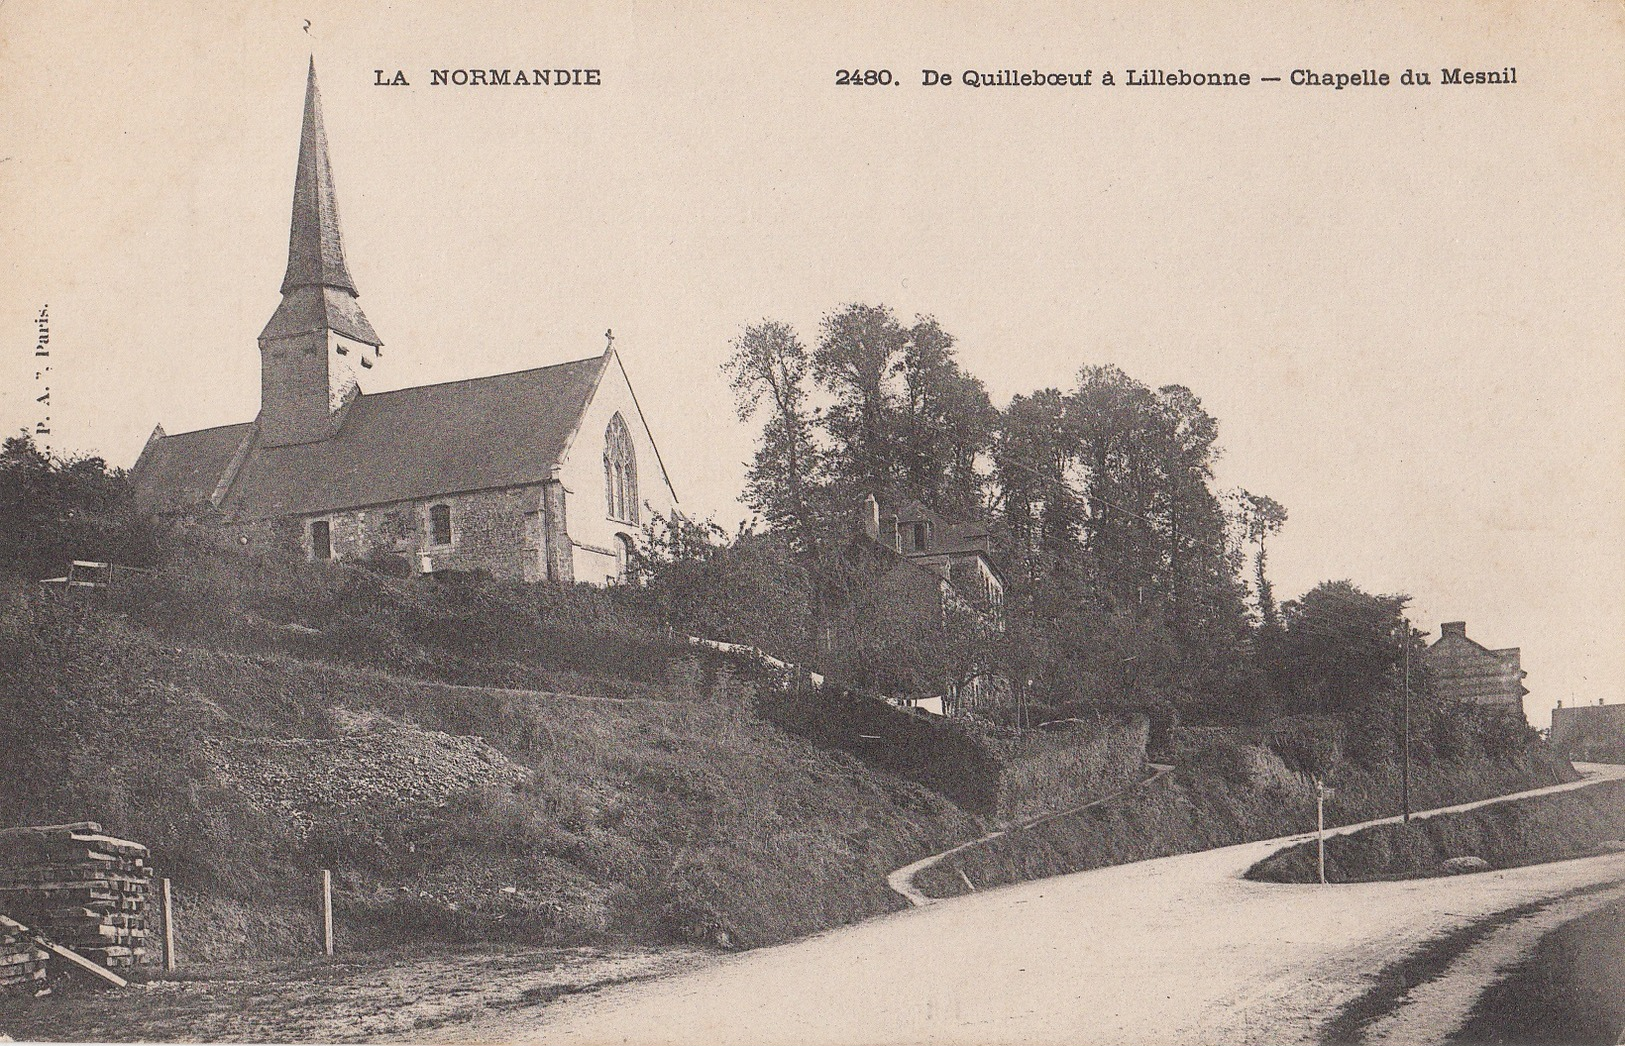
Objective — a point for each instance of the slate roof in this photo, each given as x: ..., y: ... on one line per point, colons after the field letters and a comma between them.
x: 181, y: 471
x: 505, y: 430
x: 307, y: 309
x: 315, y: 245
x: 318, y: 292
x: 948, y: 537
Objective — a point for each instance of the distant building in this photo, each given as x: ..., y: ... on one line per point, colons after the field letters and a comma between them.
x: 928, y: 568
x: 1593, y: 733
x: 1466, y: 671
x: 959, y: 556
x: 543, y: 474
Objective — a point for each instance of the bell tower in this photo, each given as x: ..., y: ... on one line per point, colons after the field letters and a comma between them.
x: 318, y: 343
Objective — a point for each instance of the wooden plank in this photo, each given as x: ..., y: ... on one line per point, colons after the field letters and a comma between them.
x: 108, y: 842
x: 50, y: 829
x: 83, y: 963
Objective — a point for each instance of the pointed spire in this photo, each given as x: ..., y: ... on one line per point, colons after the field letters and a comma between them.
x: 315, y: 246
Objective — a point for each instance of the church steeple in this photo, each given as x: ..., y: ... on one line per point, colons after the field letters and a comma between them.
x: 318, y: 336
x: 315, y: 244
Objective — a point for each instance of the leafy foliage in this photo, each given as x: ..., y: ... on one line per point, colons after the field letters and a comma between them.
x: 55, y: 509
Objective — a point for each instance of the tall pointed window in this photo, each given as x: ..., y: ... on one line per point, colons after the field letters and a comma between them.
x: 620, y: 472
x: 623, y: 558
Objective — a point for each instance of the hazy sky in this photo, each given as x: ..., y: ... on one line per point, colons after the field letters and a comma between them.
x: 1404, y: 305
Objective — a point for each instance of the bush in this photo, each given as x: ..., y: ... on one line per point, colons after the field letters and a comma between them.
x: 55, y: 509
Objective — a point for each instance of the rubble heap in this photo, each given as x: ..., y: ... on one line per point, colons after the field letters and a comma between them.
x: 80, y: 888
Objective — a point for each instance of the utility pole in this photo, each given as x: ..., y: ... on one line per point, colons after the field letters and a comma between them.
x: 1405, y: 776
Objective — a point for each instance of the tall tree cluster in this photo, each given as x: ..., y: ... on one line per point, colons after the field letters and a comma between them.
x: 874, y: 406
x: 1102, y: 495
x: 1129, y: 576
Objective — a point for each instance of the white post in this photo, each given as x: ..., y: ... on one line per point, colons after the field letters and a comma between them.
x: 327, y: 910
x: 169, y: 929
x: 1320, y: 826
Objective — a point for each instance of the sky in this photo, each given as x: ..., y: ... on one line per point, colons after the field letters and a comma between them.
x: 1403, y: 304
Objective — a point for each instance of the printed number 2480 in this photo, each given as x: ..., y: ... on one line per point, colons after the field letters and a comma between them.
x: 863, y: 77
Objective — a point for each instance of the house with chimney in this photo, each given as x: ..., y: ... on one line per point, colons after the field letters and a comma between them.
x: 540, y: 474
x: 949, y: 562
x: 929, y: 571
x: 1464, y: 670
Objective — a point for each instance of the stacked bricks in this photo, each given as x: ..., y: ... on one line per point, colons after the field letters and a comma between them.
x: 22, y: 960
x: 79, y: 888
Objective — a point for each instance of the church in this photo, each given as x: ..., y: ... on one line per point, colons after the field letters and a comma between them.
x: 539, y: 475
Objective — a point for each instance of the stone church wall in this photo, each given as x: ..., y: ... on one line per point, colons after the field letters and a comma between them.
x: 500, y: 532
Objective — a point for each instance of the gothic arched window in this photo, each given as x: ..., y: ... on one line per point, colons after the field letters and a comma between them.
x: 620, y: 472
x: 623, y: 557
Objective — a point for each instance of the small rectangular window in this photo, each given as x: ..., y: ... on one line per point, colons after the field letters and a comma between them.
x: 919, y: 537
x: 440, y: 524
x: 321, y: 539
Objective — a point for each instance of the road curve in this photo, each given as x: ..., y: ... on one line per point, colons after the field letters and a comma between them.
x: 902, y: 880
x: 1175, y: 950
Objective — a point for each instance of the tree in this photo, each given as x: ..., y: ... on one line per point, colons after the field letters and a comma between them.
x: 1342, y: 647
x: 1260, y: 517
x: 1110, y: 416
x: 1202, y: 589
x: 768, y: 374
x: 945, y: 424
x: 1035, y: 455
x: 748, y: 588
x: 857, y: 361
x: 54, y: 509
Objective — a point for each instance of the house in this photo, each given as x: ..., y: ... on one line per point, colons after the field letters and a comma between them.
x: 958, y: 555
x: 1465, y: 671
x: 541, y: 474
x: 1594, y: 733
x: 932, y: 571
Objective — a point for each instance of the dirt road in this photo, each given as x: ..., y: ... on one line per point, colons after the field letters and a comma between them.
x: 1175, y: 950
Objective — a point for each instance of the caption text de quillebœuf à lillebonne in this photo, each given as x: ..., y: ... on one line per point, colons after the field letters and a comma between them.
x: 1006, y: 76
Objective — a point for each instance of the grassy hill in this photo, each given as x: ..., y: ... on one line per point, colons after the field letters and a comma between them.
x: 478, y: 761
x: 446, y: 811
x: 1235, y: 785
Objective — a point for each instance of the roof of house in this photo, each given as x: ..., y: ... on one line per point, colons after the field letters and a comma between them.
x: 948, y: 537
x: 505, y: 430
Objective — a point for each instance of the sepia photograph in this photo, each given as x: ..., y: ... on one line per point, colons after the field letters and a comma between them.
x: 827, y: 523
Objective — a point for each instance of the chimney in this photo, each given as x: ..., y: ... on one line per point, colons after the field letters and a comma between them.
x: 1453, y: 628
x: 871, y: 517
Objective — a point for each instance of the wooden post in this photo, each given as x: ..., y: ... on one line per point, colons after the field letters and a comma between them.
x: 327, y: 910
x: 1320, y: 827
x: 169, y: 929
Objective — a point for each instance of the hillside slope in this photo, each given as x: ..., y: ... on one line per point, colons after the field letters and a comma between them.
x: 456, y: 813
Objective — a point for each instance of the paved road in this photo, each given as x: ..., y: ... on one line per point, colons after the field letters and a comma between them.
x: 1174, y: 950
